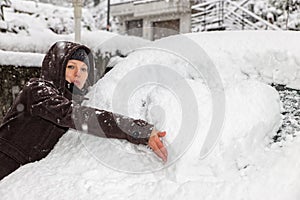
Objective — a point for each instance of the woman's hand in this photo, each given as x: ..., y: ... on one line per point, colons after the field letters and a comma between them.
x: 156, y: 144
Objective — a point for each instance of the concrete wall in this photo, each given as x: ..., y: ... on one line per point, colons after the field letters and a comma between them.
x: 122, y: 9
x: 161, y: 7
x: 151, y: 12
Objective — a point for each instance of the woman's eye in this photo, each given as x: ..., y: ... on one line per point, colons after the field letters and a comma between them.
x: 84, y: 69
x: 70, y: 67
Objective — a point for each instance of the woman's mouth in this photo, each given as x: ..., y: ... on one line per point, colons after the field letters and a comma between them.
x: 77, y: 83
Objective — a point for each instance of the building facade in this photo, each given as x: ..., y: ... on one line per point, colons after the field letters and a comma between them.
x: 152, y: 19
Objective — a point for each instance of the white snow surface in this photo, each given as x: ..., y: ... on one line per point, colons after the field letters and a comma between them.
x: 244, y: 163
x: 21, y: 58
x: 29, y: 23
x: 28, y: 51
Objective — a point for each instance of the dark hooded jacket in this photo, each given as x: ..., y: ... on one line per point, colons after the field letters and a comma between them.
x: 44, y: 110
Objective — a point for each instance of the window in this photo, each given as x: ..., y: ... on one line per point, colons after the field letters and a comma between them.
x: 135, y: 27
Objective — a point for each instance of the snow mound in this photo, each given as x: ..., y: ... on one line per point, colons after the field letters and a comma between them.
x: 268, y: 56
x: 243, y: 163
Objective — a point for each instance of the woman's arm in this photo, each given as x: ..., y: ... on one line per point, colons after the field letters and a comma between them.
x: 46, y: 102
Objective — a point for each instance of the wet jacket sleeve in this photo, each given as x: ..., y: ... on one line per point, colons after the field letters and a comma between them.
x: 48, y: 104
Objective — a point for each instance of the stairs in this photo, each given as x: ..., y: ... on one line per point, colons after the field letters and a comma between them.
x: 226, y: 15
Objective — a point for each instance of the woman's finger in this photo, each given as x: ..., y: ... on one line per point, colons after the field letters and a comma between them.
x: 162, y: 134
x: 161, y: 146
x: 156, y: 150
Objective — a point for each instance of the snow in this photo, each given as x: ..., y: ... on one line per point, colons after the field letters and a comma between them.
x: 33, y: 26
x: 21, y: 58
x: 272, y: 10
x: 120, y: 1
x: 269, y: 56
x: 58, y: 18
x: 244, y: 164
x: 25, y: 51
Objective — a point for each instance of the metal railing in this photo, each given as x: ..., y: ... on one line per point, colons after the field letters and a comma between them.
x: 225, y: 14
x: 206, y: 16
x: 249, y: 17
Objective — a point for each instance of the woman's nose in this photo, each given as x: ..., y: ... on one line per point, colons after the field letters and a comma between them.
x: 77, y: 73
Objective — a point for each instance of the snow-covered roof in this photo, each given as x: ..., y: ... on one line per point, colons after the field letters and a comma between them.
x: 23, y: 59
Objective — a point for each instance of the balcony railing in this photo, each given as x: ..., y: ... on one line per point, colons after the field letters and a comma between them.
x: 225, y: 14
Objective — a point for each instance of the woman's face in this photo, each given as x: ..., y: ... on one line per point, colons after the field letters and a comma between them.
x: 76, y: 72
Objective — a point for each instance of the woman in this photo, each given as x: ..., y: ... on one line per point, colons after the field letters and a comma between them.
x: 48, y: 106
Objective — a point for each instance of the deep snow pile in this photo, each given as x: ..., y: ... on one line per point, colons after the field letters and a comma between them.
x: 268, y: 56
x: 243, y: 165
